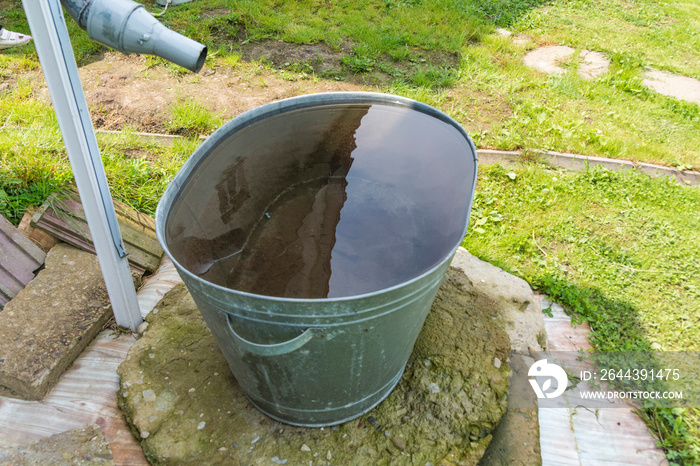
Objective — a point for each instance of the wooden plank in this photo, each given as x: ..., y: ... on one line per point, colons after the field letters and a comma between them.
x: 62, y: 216
x: 19, y: 259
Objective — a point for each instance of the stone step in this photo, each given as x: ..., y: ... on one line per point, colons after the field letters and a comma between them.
x: 49, y: 323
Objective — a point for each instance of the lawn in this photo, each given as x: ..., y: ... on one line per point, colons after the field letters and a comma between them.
x: 620, y: 250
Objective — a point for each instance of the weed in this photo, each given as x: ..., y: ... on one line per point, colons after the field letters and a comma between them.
x: 230, y: 60
x: 357, y: 64
x: 191, y: 118
x: 434, y: 78
x: 16, y: 196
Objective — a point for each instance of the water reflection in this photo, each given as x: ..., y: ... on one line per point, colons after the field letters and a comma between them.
x: 325, y: 202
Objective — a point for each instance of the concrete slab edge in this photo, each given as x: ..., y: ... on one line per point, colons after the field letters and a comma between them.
x: 579, y: 162
x: 489, y: 156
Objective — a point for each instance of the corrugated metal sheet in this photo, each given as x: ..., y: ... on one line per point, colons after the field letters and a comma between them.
x: 19, y: 259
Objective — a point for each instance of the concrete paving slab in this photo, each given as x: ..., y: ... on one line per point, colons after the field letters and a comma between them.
x: 604, y: 435
x: 580, y: 436
x: 547, y: 59
x: 593, y: 64
x: 557, y: 439
x: 517, y: 304
x: 49, y: 323
x: 672, y: 85
x: 86, y: 394
x: 155, y: 286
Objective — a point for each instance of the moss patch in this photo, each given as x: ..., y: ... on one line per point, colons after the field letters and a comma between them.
x: 180, y: 398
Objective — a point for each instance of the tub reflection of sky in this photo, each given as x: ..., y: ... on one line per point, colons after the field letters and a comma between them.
x: 406, y: 206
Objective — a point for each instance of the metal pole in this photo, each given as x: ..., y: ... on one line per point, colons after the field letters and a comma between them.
x: 53, y: 46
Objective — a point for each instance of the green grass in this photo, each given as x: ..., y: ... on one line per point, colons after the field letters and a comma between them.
x: 191, y: 118
x: 446, y: 46
x: 622, y: 235
x: 665, y: 35
x: 613, y: 116
x: 409, y: 42
x: 29, y: 176
x: 373, y: 27
x: 619, y: 250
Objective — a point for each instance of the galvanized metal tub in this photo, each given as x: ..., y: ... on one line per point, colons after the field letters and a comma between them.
x: 320, y: 360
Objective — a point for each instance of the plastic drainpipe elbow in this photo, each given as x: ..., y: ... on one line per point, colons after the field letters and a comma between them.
x: 126, y: 26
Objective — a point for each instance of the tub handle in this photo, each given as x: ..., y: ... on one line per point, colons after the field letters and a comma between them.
x: 275, y: 349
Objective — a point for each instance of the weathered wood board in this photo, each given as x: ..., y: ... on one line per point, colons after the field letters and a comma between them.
x: 62, y: 216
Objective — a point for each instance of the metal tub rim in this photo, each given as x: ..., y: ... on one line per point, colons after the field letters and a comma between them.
x: 283, y: 106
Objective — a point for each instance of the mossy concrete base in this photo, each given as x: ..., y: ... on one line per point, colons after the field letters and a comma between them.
x: 180, y: 398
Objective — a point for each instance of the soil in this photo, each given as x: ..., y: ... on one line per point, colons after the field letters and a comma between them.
x: 122, y: 90
x: 129, y: 90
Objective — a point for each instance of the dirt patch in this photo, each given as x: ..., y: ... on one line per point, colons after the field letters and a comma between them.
x: 128, y: 91
x: 124, y: 91
x: 319, y: 58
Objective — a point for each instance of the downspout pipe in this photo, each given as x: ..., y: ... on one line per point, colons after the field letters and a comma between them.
x: 126, y: 26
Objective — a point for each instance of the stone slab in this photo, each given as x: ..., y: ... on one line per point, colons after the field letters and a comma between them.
x: 547, y: 59
x: 516, y: 440
x: 49, y: 323
x: 593, y: 64
x: 75, y: 447
x: 673, y: 85
x: 182, y: 401
x: 516, y: 302
x: 85, y: 395
x: 580, y: 435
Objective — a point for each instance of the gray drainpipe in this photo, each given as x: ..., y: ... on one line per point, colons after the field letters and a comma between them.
x: 126, y: 26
